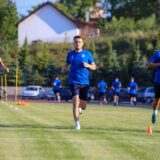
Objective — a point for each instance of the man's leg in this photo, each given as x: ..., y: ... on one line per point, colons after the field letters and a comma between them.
x: 83, y: 104
x: 104, y: 99
x: 115, y: 99
x: 76, y: 111
x: 83, y: 98
x: 131, y: 100
x: 156, y: 102
x: 75, y: 98
x: 156, y: 105
x: 58, y: 97
x: 101, y: 100
x: 135, y: 100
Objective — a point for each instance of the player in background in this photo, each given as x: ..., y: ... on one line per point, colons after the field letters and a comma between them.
x: 102, y: 85
x: 132, y: 88
x: 81, y: 62
x: 154, y: 63
x: 56, y: 88
x: 116, y: 86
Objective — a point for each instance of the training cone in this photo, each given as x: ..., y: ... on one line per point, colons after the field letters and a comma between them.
x: 149, y: 130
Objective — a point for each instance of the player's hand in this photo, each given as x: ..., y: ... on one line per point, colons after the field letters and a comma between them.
x: 7, y: 70
x: 64, y: 69
x: 86, y: 65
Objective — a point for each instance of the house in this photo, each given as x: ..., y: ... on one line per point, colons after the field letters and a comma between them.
x: 47, y: 23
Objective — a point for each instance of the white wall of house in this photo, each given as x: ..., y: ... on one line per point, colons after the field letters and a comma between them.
x: 47, y: 24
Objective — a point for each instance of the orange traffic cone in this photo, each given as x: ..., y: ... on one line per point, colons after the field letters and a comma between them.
x: 149, y: 130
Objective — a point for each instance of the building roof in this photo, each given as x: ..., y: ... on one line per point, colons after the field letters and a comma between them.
x: 78, y: 23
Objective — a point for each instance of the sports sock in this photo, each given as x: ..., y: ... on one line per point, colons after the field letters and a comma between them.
x: 155, y: 112
x: 77, y: 123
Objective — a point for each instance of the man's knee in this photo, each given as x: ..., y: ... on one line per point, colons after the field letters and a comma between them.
x: 83, y: 104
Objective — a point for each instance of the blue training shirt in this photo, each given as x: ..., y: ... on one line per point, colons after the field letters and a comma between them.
x: 78, y: 73
x: 156, y: 59
x: 102, y: 87
x: 133, y: 87
x: 56, y: 84
x: 117, y: 86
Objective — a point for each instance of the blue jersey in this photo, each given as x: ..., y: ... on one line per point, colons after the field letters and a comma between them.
x: 133, y: 87
x: 156, y: 59
x: 117, y: 86
x: 78, y: 73
x: 102, y: 87
x: 56, y: 84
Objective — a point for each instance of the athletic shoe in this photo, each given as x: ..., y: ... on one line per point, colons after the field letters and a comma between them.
x: 154, y: 118
x: 80, y: 110
x: 78, y: 127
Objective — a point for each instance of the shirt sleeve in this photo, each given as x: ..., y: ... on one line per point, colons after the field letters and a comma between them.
x: 90, y: 58
x: 154, y: 58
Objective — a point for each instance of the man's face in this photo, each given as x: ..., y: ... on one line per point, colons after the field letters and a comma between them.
x: 78, y: 44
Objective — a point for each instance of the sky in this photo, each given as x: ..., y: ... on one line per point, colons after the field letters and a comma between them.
x: 24, y: 5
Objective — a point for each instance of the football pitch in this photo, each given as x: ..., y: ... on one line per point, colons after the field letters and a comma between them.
x: 45, y: 131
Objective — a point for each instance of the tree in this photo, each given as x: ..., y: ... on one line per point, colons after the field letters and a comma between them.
x: 133, y: 8
x: 8, y: 20
x: 137, y: 63
x: 108, y: 62
x: 76, y: 8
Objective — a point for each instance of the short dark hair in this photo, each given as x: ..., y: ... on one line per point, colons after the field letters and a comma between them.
x: 77, y: 36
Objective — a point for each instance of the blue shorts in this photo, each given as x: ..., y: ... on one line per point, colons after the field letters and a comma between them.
x: 79, y: 89
x: 56, y: 91
x: 133, y: 95
x: 102, y: 94
x: 116, y: 93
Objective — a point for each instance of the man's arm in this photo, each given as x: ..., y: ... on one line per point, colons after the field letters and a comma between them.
x: 65, y: 68
x: 153, y: 65
x: 4, y: 66
x: 90, y: 66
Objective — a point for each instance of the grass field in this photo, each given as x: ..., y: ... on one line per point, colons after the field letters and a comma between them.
x: 43, y: 131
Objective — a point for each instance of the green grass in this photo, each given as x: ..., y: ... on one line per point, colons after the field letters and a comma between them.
x: 43, y: 131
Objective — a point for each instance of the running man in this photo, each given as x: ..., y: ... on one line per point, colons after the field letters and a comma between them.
x: 132, y: 88
x: 154, y: 62
x: 56, y: 88
x: 81, y: 62
x: 102, y: 85
x: 116, y: 86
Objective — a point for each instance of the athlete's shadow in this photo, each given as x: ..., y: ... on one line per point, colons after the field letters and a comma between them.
x: 31, y: 126
x: 115, y: 129
x: 86, y: 129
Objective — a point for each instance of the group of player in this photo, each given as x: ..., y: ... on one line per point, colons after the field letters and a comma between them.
x: 79, y: 62
x: 115, y: 89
